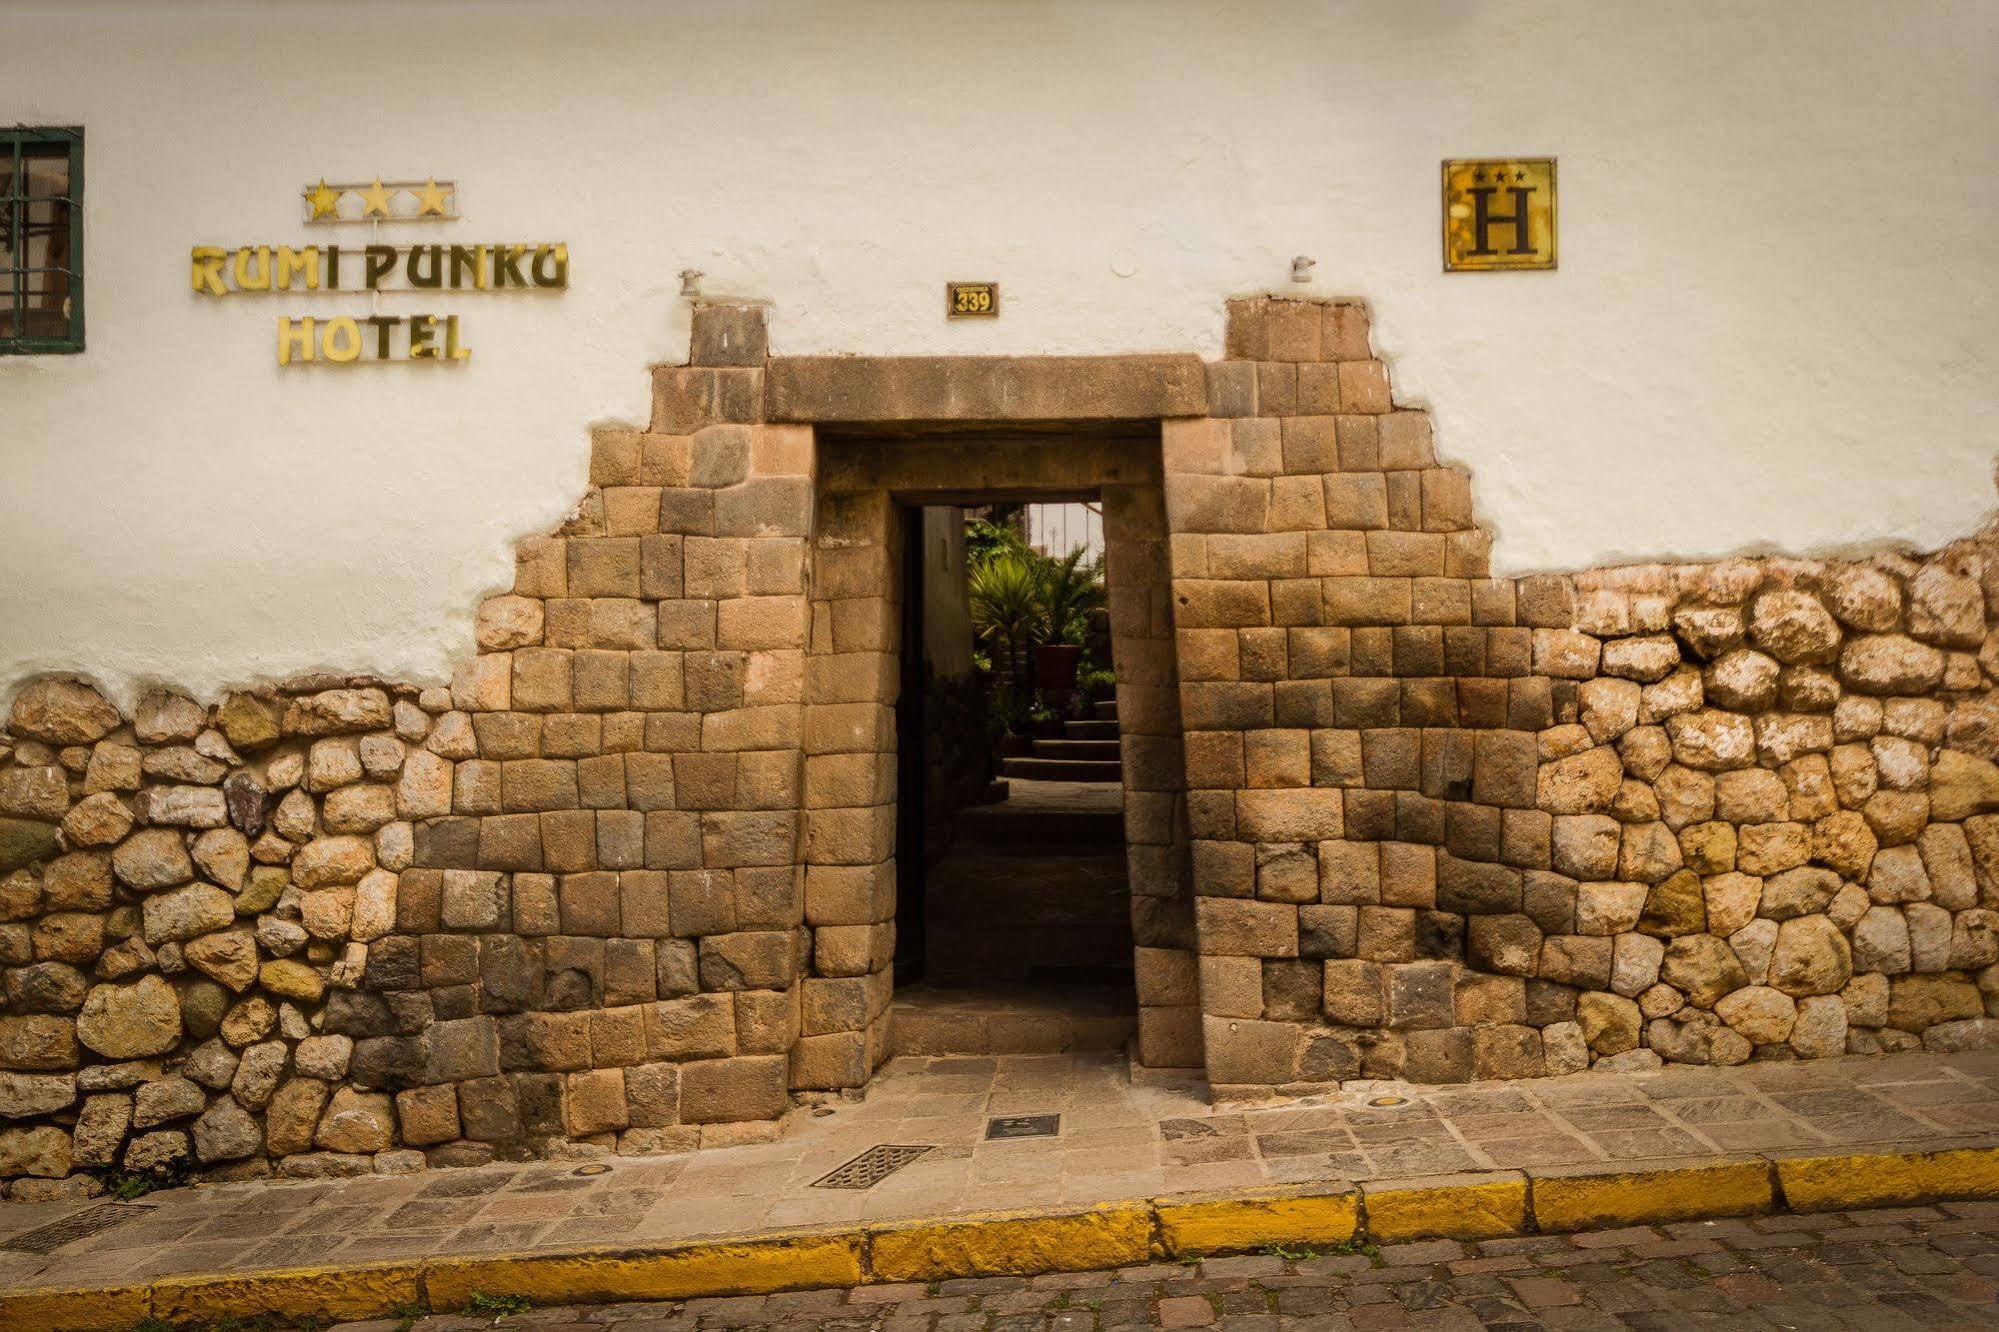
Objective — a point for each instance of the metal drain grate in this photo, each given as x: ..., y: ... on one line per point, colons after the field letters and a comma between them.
x: 49, y: 1238
x: 870, y: 1167
x: 1024, y: 1126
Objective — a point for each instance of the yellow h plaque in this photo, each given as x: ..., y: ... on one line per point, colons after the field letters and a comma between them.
x: 1499, y: 213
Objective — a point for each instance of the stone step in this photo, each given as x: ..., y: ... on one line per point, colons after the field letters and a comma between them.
x: 919, y: 1033
x: 1063, y: 770
x: 1105, y: 711
x: 1105, y: 751
x: 1038, y: 1019
x: 1090, y: 730
x: 1028, y: 831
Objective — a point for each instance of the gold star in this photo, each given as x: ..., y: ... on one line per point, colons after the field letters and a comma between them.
x: 323, y: 199
x: 431, y: 199
x: 375, y: 200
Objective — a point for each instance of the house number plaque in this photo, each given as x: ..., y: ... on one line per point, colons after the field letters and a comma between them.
x: 971, y: 300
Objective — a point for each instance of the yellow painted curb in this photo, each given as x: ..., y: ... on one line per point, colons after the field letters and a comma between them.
x: 1570, y: 1199
x: 1823, y: 1183
x: 1470, y: 1209
x: 1115, y: 1235
x: 85, y: 1309
x: 338, y: 1293
x: 1248, y: 1221
x: 721, y: 1267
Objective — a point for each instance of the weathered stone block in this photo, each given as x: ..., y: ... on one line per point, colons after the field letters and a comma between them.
x: 748, y: 1087
x: 1230, y: 926
x: 1420, y: 995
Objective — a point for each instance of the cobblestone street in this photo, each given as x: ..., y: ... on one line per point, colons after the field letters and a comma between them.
x: 1933, y: 1268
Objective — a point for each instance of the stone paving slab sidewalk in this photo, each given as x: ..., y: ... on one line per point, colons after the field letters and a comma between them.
x: 1119, y: 1140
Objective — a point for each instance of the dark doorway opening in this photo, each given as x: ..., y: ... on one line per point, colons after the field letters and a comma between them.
x: 1056, y: 919
x: 1013, y: 904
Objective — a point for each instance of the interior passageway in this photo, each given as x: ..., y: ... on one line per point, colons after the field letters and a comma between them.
x: 1025, y: 922
x: 1039, y: 860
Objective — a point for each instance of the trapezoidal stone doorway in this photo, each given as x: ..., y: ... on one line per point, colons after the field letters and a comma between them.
x: 1062, y: 918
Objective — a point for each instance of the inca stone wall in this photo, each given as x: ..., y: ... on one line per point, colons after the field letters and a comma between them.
x: 1451, y: 826
x: 628, y: 885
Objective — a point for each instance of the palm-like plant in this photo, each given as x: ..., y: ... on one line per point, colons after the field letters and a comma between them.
x: 1022, y: 599
x: 1071, y: 591
x: 1005, y: 592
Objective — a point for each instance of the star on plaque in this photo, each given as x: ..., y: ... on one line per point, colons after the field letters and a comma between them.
x: 375, y: 200
x: 430, y: 199
x: 324, y: 200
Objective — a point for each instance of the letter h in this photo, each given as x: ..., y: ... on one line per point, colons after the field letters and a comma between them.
x: 1484, y: 219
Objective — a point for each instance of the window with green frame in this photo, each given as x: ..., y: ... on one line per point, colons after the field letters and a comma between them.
x: 41, y: 240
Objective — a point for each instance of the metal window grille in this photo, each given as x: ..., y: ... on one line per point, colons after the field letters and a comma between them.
x: 41, y: 240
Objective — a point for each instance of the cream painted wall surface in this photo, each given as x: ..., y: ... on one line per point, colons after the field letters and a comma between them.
x: 1773, y: 327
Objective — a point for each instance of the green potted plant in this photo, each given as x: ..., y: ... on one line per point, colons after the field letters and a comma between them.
x: 1004, y: 589
x: 1071, y: 590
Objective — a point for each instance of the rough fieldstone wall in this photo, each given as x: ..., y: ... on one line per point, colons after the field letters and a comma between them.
x: 1769, y: 792
x: 1450, y: 826
x: 182, y: 891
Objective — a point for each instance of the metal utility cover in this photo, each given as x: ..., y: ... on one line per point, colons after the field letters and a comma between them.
x: 1024, y: 1126
x: 49, y: 1238
x: 871, y: 1167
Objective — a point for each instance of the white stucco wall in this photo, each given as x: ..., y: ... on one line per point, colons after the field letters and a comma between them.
x: 1773, y: 327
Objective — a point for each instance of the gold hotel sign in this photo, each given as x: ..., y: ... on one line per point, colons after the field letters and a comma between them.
x: 218, y: 271
x: 1499, y: 213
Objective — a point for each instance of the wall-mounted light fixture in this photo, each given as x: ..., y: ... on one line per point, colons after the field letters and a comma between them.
x: 1301, y: 268
x: 690, y: 283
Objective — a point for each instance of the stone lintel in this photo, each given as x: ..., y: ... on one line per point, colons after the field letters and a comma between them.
x: 825, y: 389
